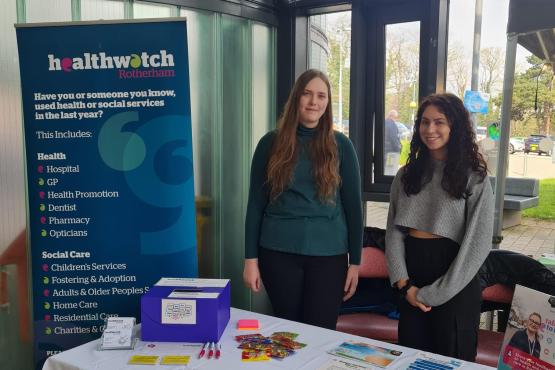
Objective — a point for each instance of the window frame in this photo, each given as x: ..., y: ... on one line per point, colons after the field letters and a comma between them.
x: 368, y: 100
x: 366, y: 90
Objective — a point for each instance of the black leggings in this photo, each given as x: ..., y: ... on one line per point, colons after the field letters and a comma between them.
x: 450, y: 329
x: 307, y: 289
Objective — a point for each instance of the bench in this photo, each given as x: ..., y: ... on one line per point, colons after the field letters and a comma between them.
x: 380, y: 327
x: 520, y: 194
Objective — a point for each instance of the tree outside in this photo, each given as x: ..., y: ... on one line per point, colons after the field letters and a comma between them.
x: 401, y: 73
x: 529, y: 115
x: 339, y: 72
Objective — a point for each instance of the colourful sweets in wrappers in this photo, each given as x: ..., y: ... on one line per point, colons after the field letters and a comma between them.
x: 250, y: 355
x: 257, y: 347
x: 286, y: 342
x: 241, y: 338
x: 280, y: 352
x: 287, y: 334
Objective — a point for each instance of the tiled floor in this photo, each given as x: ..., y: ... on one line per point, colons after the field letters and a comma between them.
x: 532, y: 237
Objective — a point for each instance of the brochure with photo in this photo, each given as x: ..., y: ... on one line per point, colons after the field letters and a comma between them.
x: 366, y: 353
x: 529, y: 342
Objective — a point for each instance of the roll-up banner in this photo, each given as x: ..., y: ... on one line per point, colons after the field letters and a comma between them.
x: 107, y: 124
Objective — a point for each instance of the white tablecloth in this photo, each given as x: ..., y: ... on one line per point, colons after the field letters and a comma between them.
x: 313, y: 356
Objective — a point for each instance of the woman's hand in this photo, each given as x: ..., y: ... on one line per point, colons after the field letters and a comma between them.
x: 251, y: 274
x: 411, y: 298
x: 351, y: 282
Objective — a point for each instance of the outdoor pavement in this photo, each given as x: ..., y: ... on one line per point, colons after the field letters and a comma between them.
x: 532, y: 237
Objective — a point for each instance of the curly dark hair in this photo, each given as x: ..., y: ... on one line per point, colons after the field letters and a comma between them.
x: 463, y: 156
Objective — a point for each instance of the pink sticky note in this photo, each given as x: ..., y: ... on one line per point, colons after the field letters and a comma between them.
x: 248, y: 324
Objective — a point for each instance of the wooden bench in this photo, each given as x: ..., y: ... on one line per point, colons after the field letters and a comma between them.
x: 520, y: 194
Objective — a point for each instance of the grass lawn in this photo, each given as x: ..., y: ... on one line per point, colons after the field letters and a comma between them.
x: 546, y: 207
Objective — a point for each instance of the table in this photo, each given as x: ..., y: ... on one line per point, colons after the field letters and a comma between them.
x: 313, y: 356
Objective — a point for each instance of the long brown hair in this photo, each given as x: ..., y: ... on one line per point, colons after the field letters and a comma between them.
x: 322, y: 149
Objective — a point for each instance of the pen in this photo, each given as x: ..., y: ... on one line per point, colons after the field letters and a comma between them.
x: 203, y: 350
x: 211, y: 350
x: 218, y: 350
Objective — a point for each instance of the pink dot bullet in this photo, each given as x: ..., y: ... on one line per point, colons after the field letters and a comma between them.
x: 45, y: 267
x: 41, y: 194
x: 46, y: 292
x: 43, y: 220
x: 40, y: 169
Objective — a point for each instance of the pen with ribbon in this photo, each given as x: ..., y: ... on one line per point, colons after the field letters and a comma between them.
x: 218, y: 350
x: 203, y: 350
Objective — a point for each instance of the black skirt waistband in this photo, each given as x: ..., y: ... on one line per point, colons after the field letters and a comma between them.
x: 429, y: 259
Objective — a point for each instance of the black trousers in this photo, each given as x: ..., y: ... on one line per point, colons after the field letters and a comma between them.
x: 307, y: 289
x: 450, y: 329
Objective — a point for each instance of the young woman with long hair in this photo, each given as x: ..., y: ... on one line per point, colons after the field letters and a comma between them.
x: 303, y: 232
x: 439, y: 231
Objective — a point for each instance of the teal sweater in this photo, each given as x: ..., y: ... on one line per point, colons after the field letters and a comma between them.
x: 297, y: 221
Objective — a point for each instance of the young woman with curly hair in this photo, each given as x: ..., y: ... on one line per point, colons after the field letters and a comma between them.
x: 303, y: 233
x: 439, y: 231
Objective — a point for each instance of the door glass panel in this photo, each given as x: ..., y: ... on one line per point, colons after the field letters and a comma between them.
x: 402, y: 45
x: 330, y: 52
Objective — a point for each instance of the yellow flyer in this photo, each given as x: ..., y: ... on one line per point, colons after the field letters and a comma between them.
x: 143, y: 360
x: 175, y: 360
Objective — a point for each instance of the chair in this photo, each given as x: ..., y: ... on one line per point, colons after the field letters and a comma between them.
x: 369, y: 324
x: 490, y: 342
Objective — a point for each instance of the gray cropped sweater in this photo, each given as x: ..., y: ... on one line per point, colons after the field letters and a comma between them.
x: 469, y: 222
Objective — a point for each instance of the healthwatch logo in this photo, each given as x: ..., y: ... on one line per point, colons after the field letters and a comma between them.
x: 102, y: 61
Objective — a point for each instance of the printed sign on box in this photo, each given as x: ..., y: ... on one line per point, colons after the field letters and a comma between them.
x: 179, y: 311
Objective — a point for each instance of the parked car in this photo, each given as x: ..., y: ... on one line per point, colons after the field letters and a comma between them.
x: 404, y: 132
x: 532, y: 144
x: 516, y: 144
